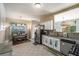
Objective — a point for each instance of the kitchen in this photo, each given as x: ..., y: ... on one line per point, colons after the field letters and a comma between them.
x: 58, y: 31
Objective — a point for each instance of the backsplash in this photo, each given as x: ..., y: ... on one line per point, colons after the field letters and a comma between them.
x: 61, y: 34
x: 73, y: 35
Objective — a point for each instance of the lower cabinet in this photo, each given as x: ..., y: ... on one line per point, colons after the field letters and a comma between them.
x: 57, y: 44
x: 51, y: 42
x: 45, y: 40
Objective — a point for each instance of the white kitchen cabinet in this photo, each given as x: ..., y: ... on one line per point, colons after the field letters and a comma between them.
x: 48, y: 25
x: 54, y: 43
x: 51, y: 22
x: 58, y: 26
x: 57, y: 44
x: 51, y: 42
x: 45, y: 40
x: 77, y: 26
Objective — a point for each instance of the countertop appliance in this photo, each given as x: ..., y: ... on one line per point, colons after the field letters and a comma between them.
x: 65, y: 46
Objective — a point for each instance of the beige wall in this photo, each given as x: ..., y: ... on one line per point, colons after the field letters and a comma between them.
x: 29, y: 24
x: 9, y: 20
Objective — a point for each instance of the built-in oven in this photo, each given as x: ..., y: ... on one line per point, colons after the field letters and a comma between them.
x: 65, y: 46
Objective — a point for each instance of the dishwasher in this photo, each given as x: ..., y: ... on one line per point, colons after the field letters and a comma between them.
x: 74, y: 51
x: 66, y: 45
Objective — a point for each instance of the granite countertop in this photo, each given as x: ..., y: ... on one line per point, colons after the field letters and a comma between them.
x: 64, y: 38
x: 4, y: 48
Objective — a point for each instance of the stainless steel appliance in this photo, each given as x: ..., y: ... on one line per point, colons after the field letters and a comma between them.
x: 38, y: 34
x: 74, y: 50
x: 65, y: 46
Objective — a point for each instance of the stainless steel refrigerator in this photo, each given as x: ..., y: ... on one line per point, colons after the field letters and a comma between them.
x: 38, y: 34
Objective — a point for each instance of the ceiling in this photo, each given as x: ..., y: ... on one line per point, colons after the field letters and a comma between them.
x: 28, y: 11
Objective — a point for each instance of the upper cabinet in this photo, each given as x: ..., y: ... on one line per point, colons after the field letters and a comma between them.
x: 2, y: 15
x: 58, y: 26
x: 67, y: 17
x: 77, y: 25
x: 48, y: 25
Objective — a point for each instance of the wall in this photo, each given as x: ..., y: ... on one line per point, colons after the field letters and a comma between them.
x: 28, y: 23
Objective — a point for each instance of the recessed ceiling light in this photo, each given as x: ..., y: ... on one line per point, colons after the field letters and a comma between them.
x: 37, y: 5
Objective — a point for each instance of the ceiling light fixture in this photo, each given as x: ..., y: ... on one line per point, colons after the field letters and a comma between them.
x: 37, y: 5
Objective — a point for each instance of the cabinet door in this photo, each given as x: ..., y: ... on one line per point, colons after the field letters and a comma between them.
x: 46, y: 27
x: 77, y: 26
x: 51, y: 42
x: 46, y: 40
x: 57, y: 44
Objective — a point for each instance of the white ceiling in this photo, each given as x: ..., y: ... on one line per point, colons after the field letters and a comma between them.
x: 27, y: 10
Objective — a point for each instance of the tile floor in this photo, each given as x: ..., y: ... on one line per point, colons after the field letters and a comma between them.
x: 29, y: 49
